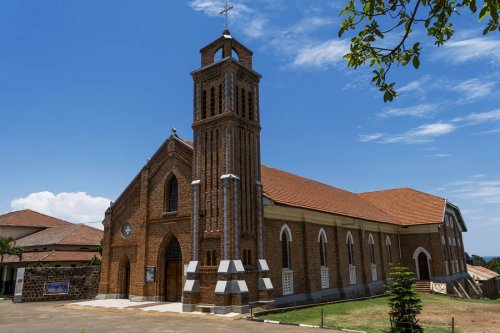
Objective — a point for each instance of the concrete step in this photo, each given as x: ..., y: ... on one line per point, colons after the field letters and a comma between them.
x: 423, y: 286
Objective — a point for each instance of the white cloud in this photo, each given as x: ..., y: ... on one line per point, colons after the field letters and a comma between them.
x: 442, y: 155
x: 421, y: 134
x: 370, y: 137
x: 483, y: 117
x: 486, y: 191
x: 321, y: 55
x: 257, y: 19
x: 415, y: 111
x: 213, y: 7
x: 416, y: 86
x: 309, y: 24
x: 474, y: 89
x: 471, y: 49
x: 76, y: 207
x: 250, y: 21
x: 428, y: 132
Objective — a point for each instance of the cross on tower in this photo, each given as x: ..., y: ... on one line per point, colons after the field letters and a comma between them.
x: 226, y: 10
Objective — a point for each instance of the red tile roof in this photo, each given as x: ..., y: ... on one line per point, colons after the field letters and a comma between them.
x: 292, y: 190
x: 408, y: 206
x: 52, y: 256
x: 399, y: 206
x: 30, y: 218
x: 74, y: 234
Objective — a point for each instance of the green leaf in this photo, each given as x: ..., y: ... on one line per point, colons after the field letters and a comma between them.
x: 416, y: 62
x: 483, y: 13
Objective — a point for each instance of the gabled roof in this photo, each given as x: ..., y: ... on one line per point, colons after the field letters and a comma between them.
x: 30, y: 218
x: 404, y: 206
x: 296, y: 191
x: 51, y: 256
x: 408, y: 206
x: 74, y: 234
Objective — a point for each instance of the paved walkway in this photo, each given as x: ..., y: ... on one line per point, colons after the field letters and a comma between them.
x: 144, y: 306
x: 61, y: 317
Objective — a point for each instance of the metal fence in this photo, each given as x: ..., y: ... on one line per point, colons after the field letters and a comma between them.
x: 319, y: 317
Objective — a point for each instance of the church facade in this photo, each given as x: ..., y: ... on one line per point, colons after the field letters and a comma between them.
x: 206, y: 224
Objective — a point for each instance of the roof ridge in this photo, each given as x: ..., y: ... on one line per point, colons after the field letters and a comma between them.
x: 14, y: 214
x: 52, y: 217
x: 308, y: 179
x: 433, y: 195
x: 403, y: 188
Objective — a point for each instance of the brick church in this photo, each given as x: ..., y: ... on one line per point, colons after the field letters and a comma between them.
x: 206, y: 224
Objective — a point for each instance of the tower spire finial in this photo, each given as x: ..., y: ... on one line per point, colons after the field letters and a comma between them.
x: 225, y: 12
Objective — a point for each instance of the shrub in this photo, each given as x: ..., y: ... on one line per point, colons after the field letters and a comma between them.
x: 403, y: 300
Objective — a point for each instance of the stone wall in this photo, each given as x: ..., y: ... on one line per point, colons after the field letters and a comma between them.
x: 83, y: 283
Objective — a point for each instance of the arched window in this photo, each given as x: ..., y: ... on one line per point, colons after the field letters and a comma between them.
x: 371, y: 246
x: 285, y: 238
x: 388, y: 244
x: 237, y: 91
x: 212, y: 102
x: 250, y: 105
x: 220, y: 98
x: 214, y: 258
x: 218, y: 55
x: 247, y: 257
x: 322, y: 247
x: 350, y: 248
x: 443, y: 246
x: 243, y: 103
x: 209, y: 258
x: 450, y: 246
x: 235, y: 55
x: 454, y: 243
x: 172, y: 195
x: 204, y: 104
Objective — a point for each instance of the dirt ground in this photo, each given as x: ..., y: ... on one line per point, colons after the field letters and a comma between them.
x: 470, y: 316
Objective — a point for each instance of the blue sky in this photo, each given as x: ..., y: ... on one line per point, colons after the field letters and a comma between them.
x: 90, y: 89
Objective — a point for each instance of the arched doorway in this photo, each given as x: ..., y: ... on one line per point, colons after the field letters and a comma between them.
x: 124, y: 278
x: 173, y: 272
x: 422, y: 268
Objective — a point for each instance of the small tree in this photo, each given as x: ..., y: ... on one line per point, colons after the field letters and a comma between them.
x: 478, y: 260
x: 8, y: 246
x: 494, y: 265
x: 95, y: 261
x: 100, y: 247
x: 403, y: 300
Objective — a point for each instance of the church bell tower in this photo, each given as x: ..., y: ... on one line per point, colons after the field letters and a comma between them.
x: 227, y: 267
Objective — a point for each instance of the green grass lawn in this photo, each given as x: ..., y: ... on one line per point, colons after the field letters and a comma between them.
x: 372, y: 315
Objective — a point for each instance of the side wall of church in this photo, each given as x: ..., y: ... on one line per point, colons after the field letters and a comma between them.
x: 306, y: 260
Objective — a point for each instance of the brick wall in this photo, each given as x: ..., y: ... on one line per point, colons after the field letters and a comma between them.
x: 83, y: 283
